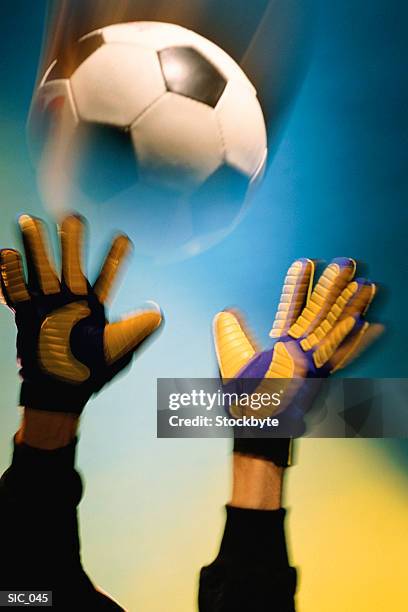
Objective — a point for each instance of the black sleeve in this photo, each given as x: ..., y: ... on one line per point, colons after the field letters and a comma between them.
x: 251, y: 572
x: 40, y: 547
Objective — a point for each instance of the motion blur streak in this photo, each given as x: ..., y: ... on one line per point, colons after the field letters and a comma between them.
x: 271, y: 41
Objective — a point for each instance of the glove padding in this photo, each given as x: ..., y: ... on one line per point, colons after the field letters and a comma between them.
x: 66, y: 347
x: 318, y: 330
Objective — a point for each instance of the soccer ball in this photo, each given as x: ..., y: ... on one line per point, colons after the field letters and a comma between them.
x: 154, y: 121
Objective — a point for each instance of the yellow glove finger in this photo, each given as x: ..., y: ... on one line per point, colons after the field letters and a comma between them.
x: 288, y: 361
x: 332, y: 341
x: 354, y: 300
x: 330, y: 285
x: 41, y: 274
x: 295, y: 293
x: 233, y: 345
x: 119, y: 250
x: 122, y: 337
x: 353, y: 347
x: 361, y: 300
x: 13, y: 286
x: 72, y: 237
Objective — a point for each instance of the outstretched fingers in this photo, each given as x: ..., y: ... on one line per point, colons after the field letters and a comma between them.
x: 119, y: 251
x: 332, y: 282
x: 354, y: 300
x: 355, y: 345
x: 72, y: 239
x: 124, y: 336
x: 41, y: 273
x: 328, y: 347
x: 12, y: 281
x: 233, y: 344
x: 295, y: 293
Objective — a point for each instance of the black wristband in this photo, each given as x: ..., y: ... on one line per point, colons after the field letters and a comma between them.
x: 276, y: 450
x: 54, y: 396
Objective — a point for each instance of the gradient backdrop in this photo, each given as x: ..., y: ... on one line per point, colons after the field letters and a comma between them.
x: 337, y: 186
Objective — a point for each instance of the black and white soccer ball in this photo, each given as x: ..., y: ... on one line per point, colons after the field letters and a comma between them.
x: 157, y: 107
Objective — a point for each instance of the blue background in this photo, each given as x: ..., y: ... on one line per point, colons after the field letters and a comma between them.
x: 337, y: 186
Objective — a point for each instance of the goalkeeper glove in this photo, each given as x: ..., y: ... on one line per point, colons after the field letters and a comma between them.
x: 318, y: 330
x: 67, y: 349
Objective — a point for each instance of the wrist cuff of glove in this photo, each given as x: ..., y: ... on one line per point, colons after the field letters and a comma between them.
x: 276, y: 450
x: 53, y: 397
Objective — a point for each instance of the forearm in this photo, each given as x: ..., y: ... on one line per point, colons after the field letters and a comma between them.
x: 251, y: 571
x: 67, y: 351
x: 257, y: 483
x: 47, y: 430
x: 39, y: 495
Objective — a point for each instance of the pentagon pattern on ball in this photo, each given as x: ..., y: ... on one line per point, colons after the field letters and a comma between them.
x: 190, y: 74
x: 160, y: 36
x: 144, y: 113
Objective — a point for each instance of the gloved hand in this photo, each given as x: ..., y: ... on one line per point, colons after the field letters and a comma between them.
x: 66, y: 347
x: 318, y: 331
